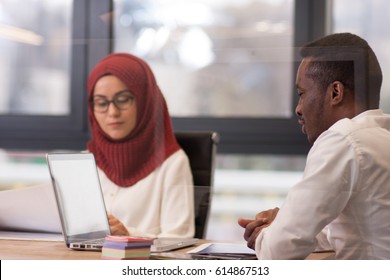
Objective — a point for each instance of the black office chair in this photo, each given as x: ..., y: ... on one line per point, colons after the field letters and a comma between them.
x: 201, y: 149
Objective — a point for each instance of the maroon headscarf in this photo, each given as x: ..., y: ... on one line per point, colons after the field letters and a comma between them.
x: 128, y: 160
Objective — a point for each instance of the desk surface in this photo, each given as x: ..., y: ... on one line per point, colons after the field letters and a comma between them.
x: 42, y: 250
x: 55, y: 250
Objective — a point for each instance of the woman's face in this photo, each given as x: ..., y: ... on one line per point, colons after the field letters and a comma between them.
x: 114, y: 107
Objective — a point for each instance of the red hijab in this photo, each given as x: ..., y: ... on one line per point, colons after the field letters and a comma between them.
x: 132, y: 158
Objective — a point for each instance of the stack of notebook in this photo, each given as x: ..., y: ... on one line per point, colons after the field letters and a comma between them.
x: 126, y: 248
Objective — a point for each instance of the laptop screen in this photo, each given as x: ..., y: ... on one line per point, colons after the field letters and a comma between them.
x: 78, y: 194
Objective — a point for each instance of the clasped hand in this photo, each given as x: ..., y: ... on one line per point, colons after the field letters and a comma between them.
x: 254, y: 227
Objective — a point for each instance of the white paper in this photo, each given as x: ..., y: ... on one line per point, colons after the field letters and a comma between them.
x: 29, y: 209
x: 23, y: 235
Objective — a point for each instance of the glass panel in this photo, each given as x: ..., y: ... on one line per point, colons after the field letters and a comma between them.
x: 228, y: 58
x: 35, y: 52
x: 369, y: 20
x: 245, y: 185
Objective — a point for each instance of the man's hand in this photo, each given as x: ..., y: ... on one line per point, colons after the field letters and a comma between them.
x: 117, y: 228
x: 254, y: 227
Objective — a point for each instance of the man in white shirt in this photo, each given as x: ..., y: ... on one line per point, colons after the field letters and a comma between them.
x: 345, y: 189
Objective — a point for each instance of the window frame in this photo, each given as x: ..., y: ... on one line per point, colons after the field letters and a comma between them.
x: 52, y: 132
x: 93, y: 37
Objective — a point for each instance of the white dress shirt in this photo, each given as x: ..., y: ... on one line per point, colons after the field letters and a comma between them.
x: 160, y: 205
x: 345, y: 185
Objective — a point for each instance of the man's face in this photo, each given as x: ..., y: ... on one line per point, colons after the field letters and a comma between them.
x: 311, y: 108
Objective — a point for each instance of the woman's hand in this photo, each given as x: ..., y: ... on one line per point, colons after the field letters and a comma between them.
x: 117, y: 228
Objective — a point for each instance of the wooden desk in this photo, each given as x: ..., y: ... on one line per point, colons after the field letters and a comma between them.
x: 42, y: 250
x: 56, y: 250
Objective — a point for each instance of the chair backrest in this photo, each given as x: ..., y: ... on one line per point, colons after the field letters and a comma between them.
x: 201, y: 149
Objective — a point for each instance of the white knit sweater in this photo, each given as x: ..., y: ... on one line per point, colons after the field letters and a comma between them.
x: 160, y: 205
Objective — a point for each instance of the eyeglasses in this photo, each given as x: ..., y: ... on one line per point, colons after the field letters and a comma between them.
x: 122, y: 101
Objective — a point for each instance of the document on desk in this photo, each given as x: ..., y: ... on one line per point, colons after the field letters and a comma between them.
x: 29, y: 209
x: 24, y: 235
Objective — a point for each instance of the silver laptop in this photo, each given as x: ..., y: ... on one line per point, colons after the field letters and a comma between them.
x: 79, y: 199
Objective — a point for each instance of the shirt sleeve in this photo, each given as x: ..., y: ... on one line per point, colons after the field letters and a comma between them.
x: 177, y: 208
x: 313, y: 202
x: 322, y: 241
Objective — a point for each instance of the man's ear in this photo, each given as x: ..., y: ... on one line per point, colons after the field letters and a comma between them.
x: 337, y: 92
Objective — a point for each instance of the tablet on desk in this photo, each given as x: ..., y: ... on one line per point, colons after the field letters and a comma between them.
x: 223, y: 251
x: 166, y: 244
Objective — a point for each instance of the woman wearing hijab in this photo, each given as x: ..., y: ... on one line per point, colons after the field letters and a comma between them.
x: 145, y: 176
